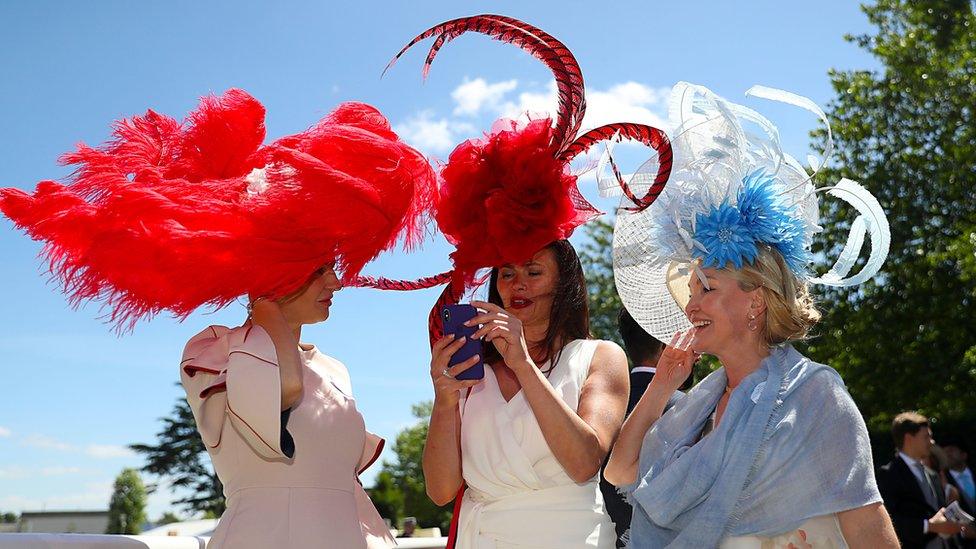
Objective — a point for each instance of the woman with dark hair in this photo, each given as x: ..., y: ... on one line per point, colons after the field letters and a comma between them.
x: 537, y: 428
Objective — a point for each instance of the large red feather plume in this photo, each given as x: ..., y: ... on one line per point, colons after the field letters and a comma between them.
x: 172, y: 216
x: 506, y: 196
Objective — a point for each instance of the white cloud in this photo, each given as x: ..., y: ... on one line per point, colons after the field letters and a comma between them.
x: 429, y: 134
x: 14, y: 472
x: 58, y: 471
x: 96, y: 496
x: 17, y: 472
x: 47, y: 443
x: 107, y: 451
x: 623, y: 102
x: 626, y: 102
x: 97, y: 451
x: 473, y: 95
x: 4, y: 432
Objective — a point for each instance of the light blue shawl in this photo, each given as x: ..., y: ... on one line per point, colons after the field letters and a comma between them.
x: 790, y: 446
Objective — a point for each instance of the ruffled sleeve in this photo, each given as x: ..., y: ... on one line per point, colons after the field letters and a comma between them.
x: 374, y: 527
x: 231, y: 375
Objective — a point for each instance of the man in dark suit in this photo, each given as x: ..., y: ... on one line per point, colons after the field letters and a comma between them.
x: 643, y: 350
x: 961, y: 476
x: 912, y: 493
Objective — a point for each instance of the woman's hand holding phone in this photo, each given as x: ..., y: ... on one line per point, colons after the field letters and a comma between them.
x: 447, y: 389
x: 504, y: 331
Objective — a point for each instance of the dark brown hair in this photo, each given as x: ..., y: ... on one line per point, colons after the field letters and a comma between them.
x: 569, y: 317
x: 907, y: 423
x: 639, y: 345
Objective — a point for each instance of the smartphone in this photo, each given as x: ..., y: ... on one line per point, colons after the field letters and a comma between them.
x: 454, y: 317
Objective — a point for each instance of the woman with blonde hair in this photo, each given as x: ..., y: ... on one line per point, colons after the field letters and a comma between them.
x: 769, y: 450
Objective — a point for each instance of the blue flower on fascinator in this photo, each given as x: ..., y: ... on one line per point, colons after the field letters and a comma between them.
x: 732, y: 234
x: 773, y: 221
x: 725, y: 236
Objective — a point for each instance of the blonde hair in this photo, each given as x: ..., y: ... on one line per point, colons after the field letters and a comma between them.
x: 790, y: 311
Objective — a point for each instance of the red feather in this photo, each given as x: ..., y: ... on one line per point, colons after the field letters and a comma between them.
x: 542, y: 46
x: 504, y: 197
x: 171, y: 217
x: 648, y: 135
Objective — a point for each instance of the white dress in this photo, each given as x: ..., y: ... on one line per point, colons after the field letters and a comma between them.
x: 821, y: 533
x: 518, y: 494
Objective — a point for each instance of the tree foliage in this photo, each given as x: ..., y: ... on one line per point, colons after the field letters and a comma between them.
x: 168, y: 518
x: 127, y: 509
x: 180, y: 457
x: 400, y: 489
x: 597, y: 259
x: 907, y: 339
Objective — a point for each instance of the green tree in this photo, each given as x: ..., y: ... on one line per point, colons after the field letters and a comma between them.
x: 9, y: 518
x: 596, y: 256
x: 180, y: 456
x: 168, y: 518
x: 127, y: 509
x: 907, y: 339
x: 406, y: 474
x: 387, y: 496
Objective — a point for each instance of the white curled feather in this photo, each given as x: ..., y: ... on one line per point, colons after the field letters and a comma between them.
x: 789, y: 98
x: 607, y: 182
x: 872, y: 221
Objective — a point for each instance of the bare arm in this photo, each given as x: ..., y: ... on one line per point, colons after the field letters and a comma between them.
x: 673, y: 368
x: 442, y: 450
x: 267, y: 314
x: 868, y: 527
x: 581, y: 439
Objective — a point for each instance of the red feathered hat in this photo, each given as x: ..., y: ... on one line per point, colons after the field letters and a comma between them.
x: 172, y: 216
x: 504, y: 197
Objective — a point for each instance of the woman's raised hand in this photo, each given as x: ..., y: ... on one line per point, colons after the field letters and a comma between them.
x: 447, y: 389
x: 676, y: 362
x: 504, y: 331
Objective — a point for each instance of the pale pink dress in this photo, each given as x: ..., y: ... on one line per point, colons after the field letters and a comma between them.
x: 290, y: 488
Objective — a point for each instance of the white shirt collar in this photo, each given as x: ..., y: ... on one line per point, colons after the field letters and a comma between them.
x: 913, y: 466
x: 644, y: 369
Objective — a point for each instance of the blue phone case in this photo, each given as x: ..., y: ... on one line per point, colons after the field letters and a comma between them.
x: 454, y: 317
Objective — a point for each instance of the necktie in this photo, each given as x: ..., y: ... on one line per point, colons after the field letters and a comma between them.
x: 966, y: 483
x: 927, y: 489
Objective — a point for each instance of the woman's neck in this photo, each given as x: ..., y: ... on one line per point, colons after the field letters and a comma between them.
x: 535, y: 338
x: 742, y: 361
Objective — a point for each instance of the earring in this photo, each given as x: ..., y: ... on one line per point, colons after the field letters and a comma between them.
x: 753, y: 325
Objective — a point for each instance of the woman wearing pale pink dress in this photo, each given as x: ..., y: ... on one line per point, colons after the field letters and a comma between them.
x: 281, y: 426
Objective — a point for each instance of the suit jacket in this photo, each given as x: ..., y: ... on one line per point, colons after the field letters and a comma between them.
x: 615, y: 505
x: 906, y: 503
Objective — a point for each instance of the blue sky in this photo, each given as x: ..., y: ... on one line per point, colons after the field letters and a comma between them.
x: 72, y: 394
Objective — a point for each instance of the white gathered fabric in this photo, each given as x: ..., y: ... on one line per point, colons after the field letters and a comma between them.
x: 518, y: 494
